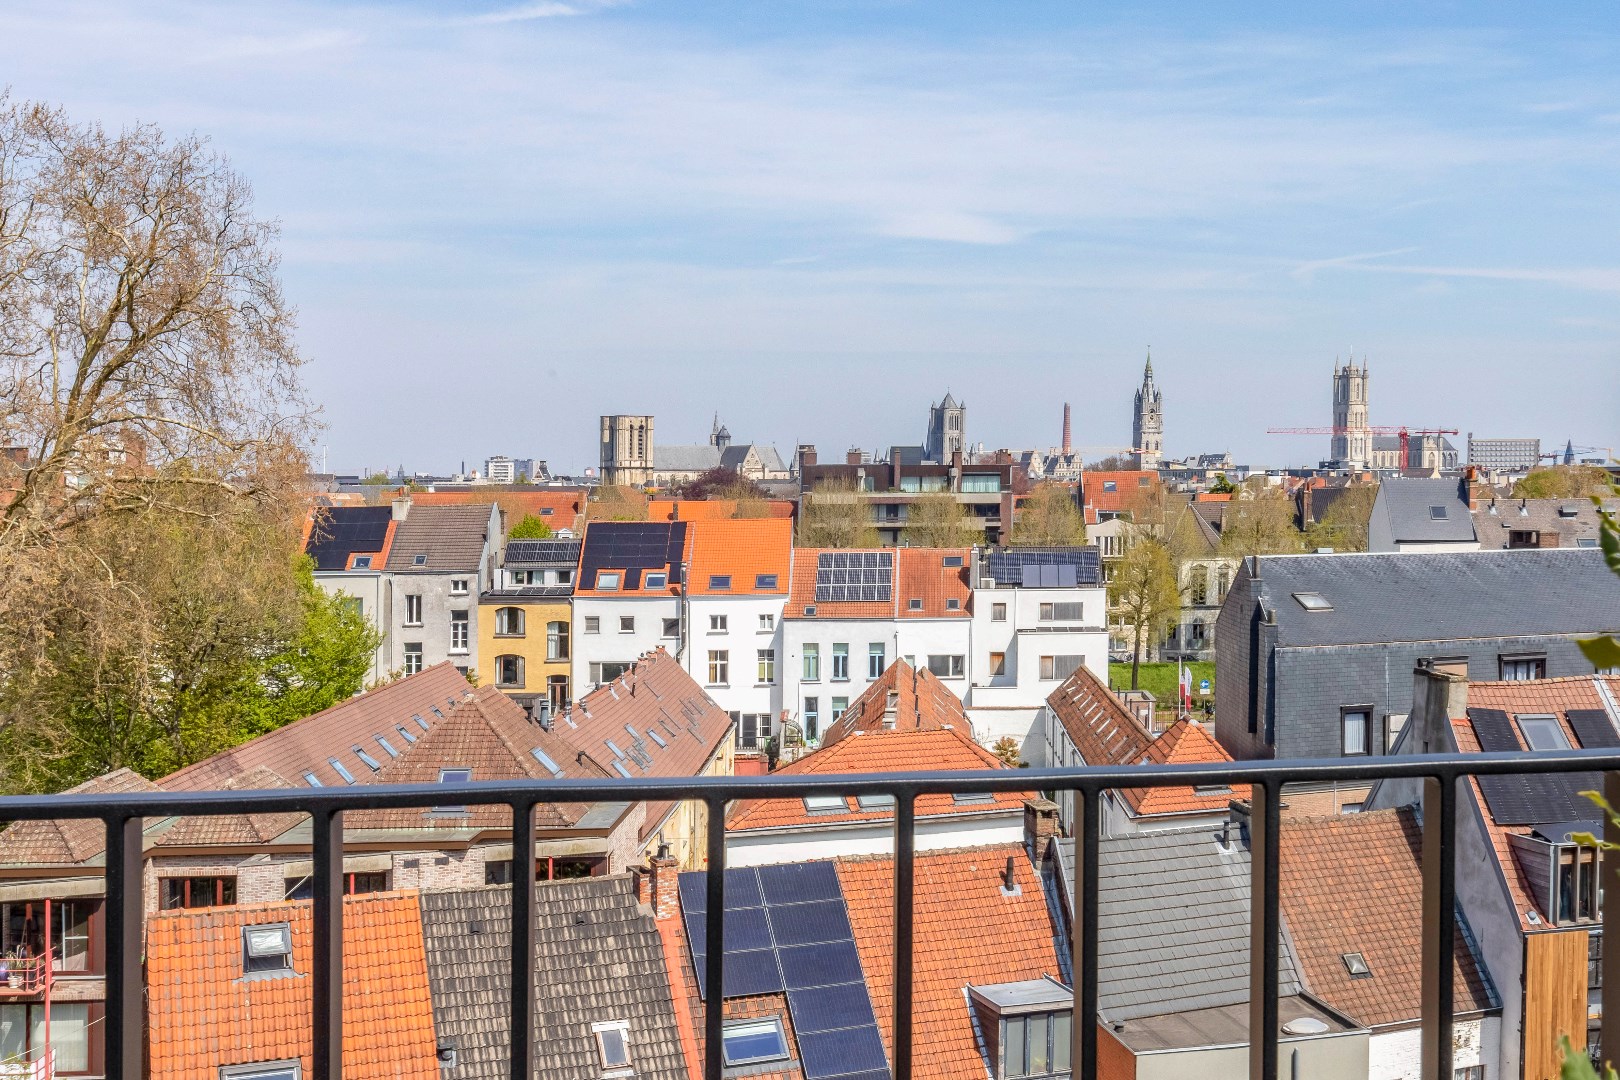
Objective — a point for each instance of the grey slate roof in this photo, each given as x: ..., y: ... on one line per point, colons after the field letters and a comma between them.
x: 1440, y: 596
x: 1406, y: 504
x: 452, y: 538
x: 597, y: 957
x: 1173, y: 930
x: 696, y: 458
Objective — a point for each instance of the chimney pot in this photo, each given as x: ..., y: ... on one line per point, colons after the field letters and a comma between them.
x: 666, y: 902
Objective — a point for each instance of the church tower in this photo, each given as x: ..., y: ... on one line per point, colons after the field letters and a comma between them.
x: 1147, y: 426
x: 1352, y: 440
x: 947, y: 430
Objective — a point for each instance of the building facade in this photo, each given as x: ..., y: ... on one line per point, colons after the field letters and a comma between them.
x: 947, y: 430
x: 1147, y: 422
x: 626, y: 450
x: 1352, y: 438
x: 525, y: 628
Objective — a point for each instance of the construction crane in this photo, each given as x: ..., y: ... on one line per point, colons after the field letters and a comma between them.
x: 1404, y: 432
x: 1570, y: 450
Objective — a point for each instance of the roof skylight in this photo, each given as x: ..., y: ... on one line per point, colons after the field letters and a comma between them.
x: 543, y: 758
x: 1356, y: 965
x: 1313, y: 601
x: 1437, y: 513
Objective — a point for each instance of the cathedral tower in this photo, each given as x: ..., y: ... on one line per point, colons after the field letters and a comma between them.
x: 1352, y: 441
x: 1147, y: 426
x: 947, y: 430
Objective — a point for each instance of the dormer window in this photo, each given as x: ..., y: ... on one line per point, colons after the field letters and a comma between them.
x: 266, y: 948
x: 613, y: 1044
x: 1028, y: 1027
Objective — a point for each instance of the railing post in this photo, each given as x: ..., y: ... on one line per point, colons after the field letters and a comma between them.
x: 327, y: 963
x: 905, y: 840
x: 1609, y: 1033
x: 1439, y: 924
x: 1083, y: 932
x: 125, y: 911
x: 714, y: 923
x: 1265, y: 880
x: 522, y: 987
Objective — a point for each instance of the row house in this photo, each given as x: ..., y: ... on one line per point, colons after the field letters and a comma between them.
x: 416, y: 574
x: 525, y: 624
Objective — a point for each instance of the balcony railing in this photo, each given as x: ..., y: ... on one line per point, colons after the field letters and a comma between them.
x: 1440, y: 775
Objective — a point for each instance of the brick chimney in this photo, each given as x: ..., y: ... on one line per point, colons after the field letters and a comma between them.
x: 402, y: 507
x: 807, y: 456
x: 666, y: 903
x: 852, y: 456
x: 1066, y: 444
x: 1040, y: 826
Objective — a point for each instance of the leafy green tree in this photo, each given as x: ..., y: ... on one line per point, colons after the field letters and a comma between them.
x: 938, y: 520
x: 834, y: 515
x: 1344, y: 523
x: 530, y: 527
x: 1222, y: 486
x: 1048, y: 517
x: 1563, y: 482
x: 618, y: 503
x: 1146, y: 593
x: 1260, y: 521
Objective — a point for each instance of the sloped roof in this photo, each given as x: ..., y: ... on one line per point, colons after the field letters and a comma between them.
x: 1096, y: 721
x: 1423, y: 596
x: 1407, y: 502
x: 919, y: 574
x: 235, y: 829
x: 67, y: 841
x: 966, y: 931
x: 881, y: 751
x: 305, y: 746
x: 709, y: 509
x: 1184, y: 743
x: 633, y: 549
x: 694, y: 457
x: 333, y: 535
x: 1126, y: 488
x: 203, y: 1015
x: 520, y: 553
x: 560, y: 508
x: 453, y: 538
x: 921, y: 703
x: 1573, y: 520
x: 597, y: 957
x: 1353, y: 883
x: 754, y: 554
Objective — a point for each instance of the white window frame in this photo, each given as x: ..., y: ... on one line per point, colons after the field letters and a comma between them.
x: 458, y: 586
x: 593, y: 624
x: 262, y: 1070
x: 719, y: 624
x: 623, y: 1028
x: 719, y: 667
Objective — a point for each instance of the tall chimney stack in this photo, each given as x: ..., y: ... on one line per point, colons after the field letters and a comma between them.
x: 1066, y: 441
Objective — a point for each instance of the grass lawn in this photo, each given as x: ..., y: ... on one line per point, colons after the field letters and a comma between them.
x: 1160, y: 680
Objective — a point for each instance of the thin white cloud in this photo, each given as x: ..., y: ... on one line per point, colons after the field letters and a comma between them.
x: 1307, y: 270
x: 545, y: 9
x: 1593, y: 278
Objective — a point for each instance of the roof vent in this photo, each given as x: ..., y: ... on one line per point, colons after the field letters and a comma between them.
x: 1009, y: 880
x: 1305, y: 1025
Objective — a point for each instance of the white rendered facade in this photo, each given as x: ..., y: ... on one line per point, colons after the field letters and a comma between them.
x: 800, y: 843
x: 739, y: 638
x: 610, y: 632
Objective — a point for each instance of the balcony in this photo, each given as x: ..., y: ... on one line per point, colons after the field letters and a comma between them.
x: 1439, y: 776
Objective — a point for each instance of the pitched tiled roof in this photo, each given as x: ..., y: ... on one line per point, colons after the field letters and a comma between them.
x: 67, y: 841
x: 305, y: 746
x: 558, y: 507
x: 921, y: 702
x: 1183, y: 743
x: 919, y: 574
x: 1126, y: 493
x: 453, y: 538
x: 1353, y: 883
x: 1573, y: 520
x: 1096, y: 721
x: 967, y: 931
x: 754, y: 555
x: 490, y: 734
x: 633, y: 549
x: 881, y: 751
x: 235, y: 829
x: 204, y: 1015
x: 1408, y: 504
x: 656, y: 697
x: 597, y: 958
x: 708, y: 509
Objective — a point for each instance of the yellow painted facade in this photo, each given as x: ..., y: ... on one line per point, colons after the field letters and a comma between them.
x: 526, y: 655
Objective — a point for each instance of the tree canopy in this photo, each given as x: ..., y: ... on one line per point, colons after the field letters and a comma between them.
x: 1260, y: 521
x: 530, y: 527
x: 1563, y: 482
x: 834, y: 515
x: 938, y: 520
x: 1048, y: 517
x: 1144, y: 589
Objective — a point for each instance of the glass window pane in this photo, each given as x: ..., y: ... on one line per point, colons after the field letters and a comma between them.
x: 70, y: 1026
x: 1040, y: 1055
x: 1062, y: 1039
x: 12, y: 1038
x: 1015, y: 1060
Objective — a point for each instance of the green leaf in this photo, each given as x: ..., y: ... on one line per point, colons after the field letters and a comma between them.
x: 1604, y: 652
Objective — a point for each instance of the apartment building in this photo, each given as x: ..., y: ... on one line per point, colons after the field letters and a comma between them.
x: 525, y: 624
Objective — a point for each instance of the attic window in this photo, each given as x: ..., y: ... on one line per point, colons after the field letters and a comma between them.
x: 1110, y: 485
x: 420, y: 560
x: 1211, y: 789
x: 312, y: 780
x: 1356, y: 965
x: 337, y: 766
x: 875, y: 802
x: 613, y: 1043
x: 764, y: 581
x: 953, y: 604
x: 953, y: 560
x: 362, y: 562
x: 618, y: 767
x: 656, y: 581
x: 1543, y: 733
x: 270, y: 1070
x: 453, y: 776
x: 752, y: 1041
x: 388, y: 747
x: 434, y: 709
x: 371, y: 763
x: 1437, y: 513
x: 406, y: 735
x: 613, y: 746
x: 607, y: 582
x: 421, y: 723
x: 545, y: 759
x: 825, y: 804
x: 810, y: 609
x: 967, y: 798
x: 266, y: 948
x: 1313, y: 601
x: 720, y: 581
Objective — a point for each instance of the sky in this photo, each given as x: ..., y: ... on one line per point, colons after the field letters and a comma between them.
x: 814, y: 217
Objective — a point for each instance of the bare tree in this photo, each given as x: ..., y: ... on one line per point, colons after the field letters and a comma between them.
x: 1048, y: 517
x: 938, y: 520
x: 834, y: 515
x: 1145, y: 589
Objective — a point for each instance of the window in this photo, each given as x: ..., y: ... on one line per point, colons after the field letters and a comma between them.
x: 1035, y: 1044
x: 607, y: 582
x: 998, y: 663
x: 556, y: 640
x: 1437, y: 513
x: 1577, y: 892
x: 876, y: 655
x: 672, y: 628
x: 197, y: 892
x: 413, y: 610
x: 953, y: 560
x: 915, y: 603
x: 270, y: 1070
x: 764, y: 581
x: 718, y: 624
x: 266, y: 948
x: 953, y: 604
x: 413, y: 657
x: 509, y: 622
x: 767, y: 624
x: 1586, y: 542
x: 812, y: 663
x: 840, y: 705
x: 458, y: 586
x: 1058, y: 668
x: 719, y: 667
x: 593, y: 624
x: 370, y: 762
x: 608, y: 670
x: 1543, y: 733
x: 627, y: 624
x: 812, y: 717
x: 1200, y: 586
x: 1473, y: 1072
x: 1356, y: 730
x: 1523, y: 668
x: 362, y: 562
x: 753, y: 1040
x: 875, y: 802
x: 655, y: 581
x: 22, y: 931
x: 509, y: 671
x: 458, y: 631
x: 720, y: 582
x: 1523, y: 538
x: 1311, y: 601
x: 419, y: 560
x: 453, y: 776
x: 1356, y: 965
x: 767, y: 667
x: 388, y: 747
x: 946, y: 667
x: 22, y: 1034
x: 1394, y: 724
x: 998, y: 612
x: 1062, y: 612
x: 840, y: 662
x: 613, y: 1043
x: 826, y: 804
x: 968, y: 798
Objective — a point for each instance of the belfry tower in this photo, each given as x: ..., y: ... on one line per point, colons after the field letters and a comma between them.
x: 1147, y: 427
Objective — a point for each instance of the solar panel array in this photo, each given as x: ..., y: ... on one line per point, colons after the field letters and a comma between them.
x: 854, y: 576
x: 788, y: 931
x: 340, y: 531
x: 1544, y: 798
x: 633, y: 547
x: 1045, y: 567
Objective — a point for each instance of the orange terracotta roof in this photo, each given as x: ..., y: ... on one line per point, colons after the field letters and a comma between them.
x: 919, y: 573
x: 1556, y: 696
x: 881, y: 751
x: 67, y: 841
x: 754, y: 554
x: 709, y: 509
x: 1183, y: 743
x: 1096, y: 721
x: 921, y: 703
x: 1353, y: 883
x: 560, y: 508
x: 1128, y: 488
x: 1211, y: 497
x: 606, y: 536
x: 966, y: 932
x: 203, y: 1014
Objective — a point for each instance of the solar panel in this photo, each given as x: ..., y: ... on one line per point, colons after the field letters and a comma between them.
x: 854, y: 576
x: 805, y: 924
x: 797, y: 883
x: 830, y: 1008
x: 1538, y: 800
x: 820, y: 965
x: 1494, y: 730
x: 839, y: 1053
x: 1592, y: 727
x: 1045, y: 567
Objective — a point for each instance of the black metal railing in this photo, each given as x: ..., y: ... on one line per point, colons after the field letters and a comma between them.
x: 1439, y: 774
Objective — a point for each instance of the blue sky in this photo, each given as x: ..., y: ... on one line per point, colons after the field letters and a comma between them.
x: 502, y: 219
